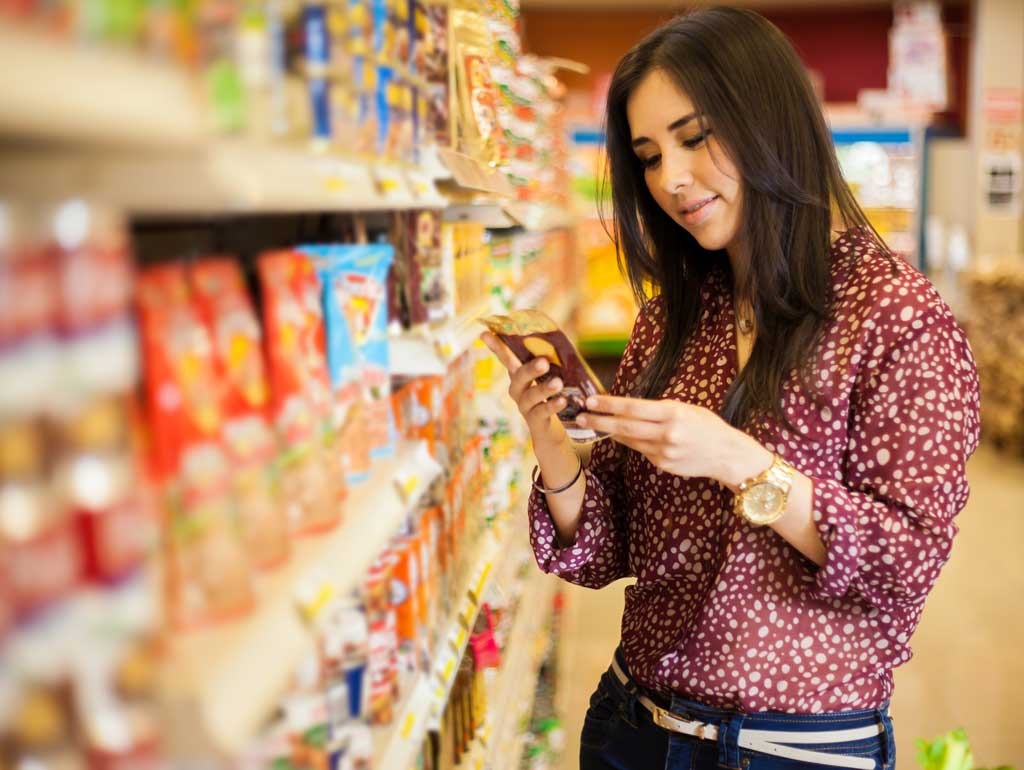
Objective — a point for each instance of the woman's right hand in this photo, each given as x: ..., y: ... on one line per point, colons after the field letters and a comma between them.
x: 536, y: 401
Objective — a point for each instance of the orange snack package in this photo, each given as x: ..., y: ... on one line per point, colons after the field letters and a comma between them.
x: 207, y: 568
x: 300, y: 395
x: 224, y: 303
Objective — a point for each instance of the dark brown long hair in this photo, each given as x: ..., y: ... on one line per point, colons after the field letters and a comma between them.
x: 743, y: 76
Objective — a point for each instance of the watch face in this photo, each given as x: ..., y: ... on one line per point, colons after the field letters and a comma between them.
x: 762, y: 504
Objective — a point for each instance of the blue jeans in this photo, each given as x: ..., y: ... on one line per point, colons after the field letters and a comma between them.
x: 620, y: 734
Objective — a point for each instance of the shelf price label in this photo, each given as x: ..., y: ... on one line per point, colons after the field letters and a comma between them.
x: 408, y: 724
x: 448, y: 671
x: 408, y: 482
x: 313, y: 593
x: 477, y: 590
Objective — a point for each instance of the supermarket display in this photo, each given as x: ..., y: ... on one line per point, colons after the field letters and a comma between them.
x: 240, y: 526
x: 531, y: 334
x: 996, y: 309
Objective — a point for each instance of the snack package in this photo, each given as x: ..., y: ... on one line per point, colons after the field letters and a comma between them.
x: 206, y: 568
x: 480, y: 133
x: 300, y: 390
x: 531, y: 333
x: 434, y: 48
x: 224, y: 303
x: 355, y: 305
x: 349, y: 412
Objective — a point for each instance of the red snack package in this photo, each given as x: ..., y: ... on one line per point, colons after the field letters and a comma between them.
x: 207, y: 569
x: 41, y: 551
x: 224, y: 304
x: 101, y: 481
x: 300, y: 390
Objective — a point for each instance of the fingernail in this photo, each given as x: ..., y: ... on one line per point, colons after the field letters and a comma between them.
x: 542, y: 365
x: 581, y: 420
x: 555, y: 384
x: 592, y: 402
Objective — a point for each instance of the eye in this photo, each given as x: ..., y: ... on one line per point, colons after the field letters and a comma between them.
x: 650, y: 162
x: 697, y: 141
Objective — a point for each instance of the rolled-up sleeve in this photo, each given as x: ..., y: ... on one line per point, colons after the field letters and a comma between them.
x: 888, y: 524
x: 599, y: 553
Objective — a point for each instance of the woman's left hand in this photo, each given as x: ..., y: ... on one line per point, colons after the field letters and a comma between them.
x: 679, y: 438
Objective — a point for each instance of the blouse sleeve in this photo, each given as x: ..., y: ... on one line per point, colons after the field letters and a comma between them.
x: 599, y: 553
x: 888, y: 525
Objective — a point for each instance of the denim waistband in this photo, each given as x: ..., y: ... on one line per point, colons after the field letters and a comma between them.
x: 762, y: 720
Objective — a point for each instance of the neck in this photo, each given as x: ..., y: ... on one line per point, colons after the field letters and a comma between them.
x: 740, y: 263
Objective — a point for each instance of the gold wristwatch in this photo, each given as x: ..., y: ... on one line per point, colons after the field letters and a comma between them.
x: 762, y: 499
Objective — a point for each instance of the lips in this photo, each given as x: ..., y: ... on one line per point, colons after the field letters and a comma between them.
x: 695, y: 206
x: 699, y: 212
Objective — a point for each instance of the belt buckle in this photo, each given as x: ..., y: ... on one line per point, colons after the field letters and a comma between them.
x: 669, y: 720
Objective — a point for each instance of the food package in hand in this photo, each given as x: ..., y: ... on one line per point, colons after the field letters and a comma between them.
x: 531, y: 333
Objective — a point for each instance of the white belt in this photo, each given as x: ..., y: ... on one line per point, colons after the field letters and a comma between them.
x: 765, y: 741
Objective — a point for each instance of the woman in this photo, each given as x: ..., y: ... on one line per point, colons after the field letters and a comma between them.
x: 790, y: 424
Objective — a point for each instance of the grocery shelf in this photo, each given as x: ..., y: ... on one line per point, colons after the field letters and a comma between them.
x: 225, y: 176
x: 429, y: 350
x: 397, y: 746
x: 228, y: 679
x: 517, y: 683
x: 540, y: 217
x: 59, y: 91
x: 472, y: 175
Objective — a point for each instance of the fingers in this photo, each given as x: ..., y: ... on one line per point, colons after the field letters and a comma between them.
x: 538, y: 394
x: 636, y: 408
x: 500, y: 349
x: 622, y: 426
x: 545, y: 410
x: 526, y: 374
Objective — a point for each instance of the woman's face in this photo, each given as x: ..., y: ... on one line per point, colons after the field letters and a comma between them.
x: 688, y: 172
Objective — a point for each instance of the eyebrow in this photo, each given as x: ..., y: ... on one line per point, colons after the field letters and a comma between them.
x: 672, y: 127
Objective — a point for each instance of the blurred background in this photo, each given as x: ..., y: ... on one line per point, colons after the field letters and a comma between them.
x: 261, y: 494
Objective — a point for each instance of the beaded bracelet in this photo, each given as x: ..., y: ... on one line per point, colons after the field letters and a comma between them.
x: 539, y: 488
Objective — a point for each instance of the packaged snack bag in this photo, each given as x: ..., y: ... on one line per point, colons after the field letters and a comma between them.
x: 531, y: 333
x: 350, y: 413
x: 207, y: 569
x: 300, y: 390
x: 356, y: 304
x: 224, y: 304
x: 437, y: 116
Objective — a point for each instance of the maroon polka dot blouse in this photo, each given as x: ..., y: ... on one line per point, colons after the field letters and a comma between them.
x: 733, y: 616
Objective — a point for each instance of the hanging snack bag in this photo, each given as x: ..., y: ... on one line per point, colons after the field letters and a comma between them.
x: 480, y: 131
x: 224, y: 303
x: 531, y: 333
x: 356, y: 305
x: 343, y: 364
x: 299, y: 389
x: 207, y: 566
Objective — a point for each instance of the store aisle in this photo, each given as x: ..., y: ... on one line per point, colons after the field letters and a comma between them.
x: 966, y: 672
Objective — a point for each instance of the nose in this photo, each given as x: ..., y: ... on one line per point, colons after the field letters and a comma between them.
x: 676, y: 172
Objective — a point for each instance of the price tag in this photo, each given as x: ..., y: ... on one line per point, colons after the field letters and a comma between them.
x: 478, y: 589
x: 389, y: 184
x: 408, y: 482
x: 408, y: 724
x: 448, y: 671
x: 335, y: 184
x: 313, y: 593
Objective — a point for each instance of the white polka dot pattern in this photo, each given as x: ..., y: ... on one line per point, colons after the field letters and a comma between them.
x: 735, y: 617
